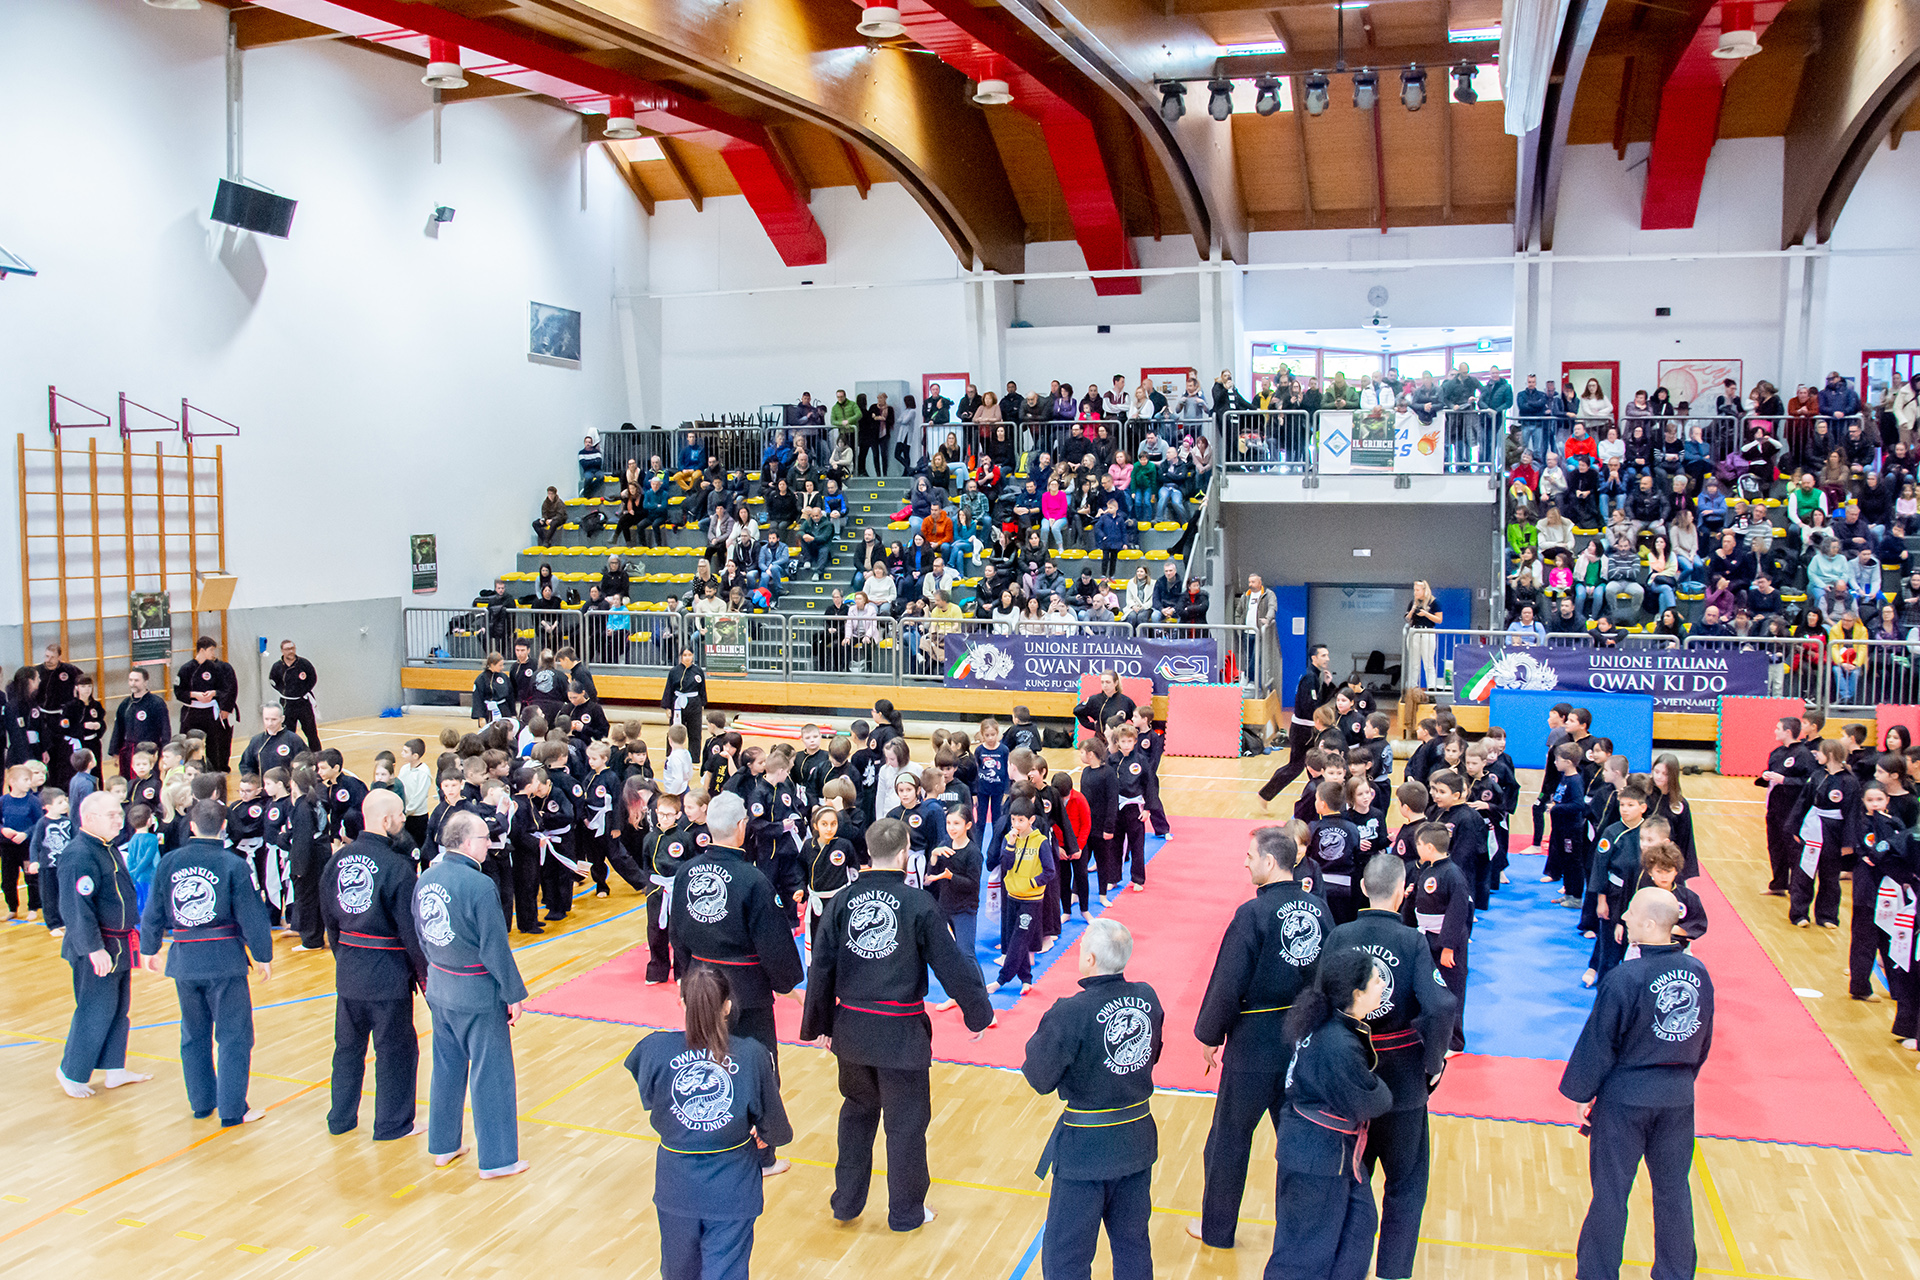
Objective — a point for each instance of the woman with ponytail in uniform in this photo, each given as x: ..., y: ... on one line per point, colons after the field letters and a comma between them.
x: 1325, y: 1211
x: 713, y: 1100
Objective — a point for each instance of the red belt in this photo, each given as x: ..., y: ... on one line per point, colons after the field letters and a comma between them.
x: 462, y: 971
x: 709, y: 960
x: 890, y: 1008
x: 1405, y: 1038
x: 217, y: 933
x: 369, y: 941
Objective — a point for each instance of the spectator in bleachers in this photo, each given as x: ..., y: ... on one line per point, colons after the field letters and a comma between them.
x: 1525, y: 628
x: 1646, y: 505
x: 1762, y: 599
x: 1846, y: 655
x: 1732, y: 561
x: 1614, y: 487
x: 1817, y: 445
x: 632, y: 512
x: 1589, y: 579
x: 1582, y: 444
x: 1595, y: 408
x: 1639, y: 451
x: 1828, y: 576
x: 1865, y: 588
x: 1838, y: 399
x: 1713, y: 623
x: 553, y: 514
x: 1637, y: 409
x: 1854, y: 533
x: 1564, y: 619
x: 1583, y: 494
x: 591, y: 462
x: 1552, y: 489
x: 816, y: 541
x: 1684, y: 536
x: 1663, y: 575
x: 1611, y: 448
x: 1625, y: 591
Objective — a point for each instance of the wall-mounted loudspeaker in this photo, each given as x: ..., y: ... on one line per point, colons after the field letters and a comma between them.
x: 252, y: 209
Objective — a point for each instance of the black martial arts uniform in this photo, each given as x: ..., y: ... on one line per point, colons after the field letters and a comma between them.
x: 1098, y: 1048
x: 1567, y: 846
x: 723, y: 912
x: 1153, y: 745
x: 1411, y: 1030
x: 1612, y: 878
x: 366, y: 896
x: 471, y: 980
x: 1827, y: 824
x: 1270, y: 953
x: 1102, y: 791
x: 867, y: 989
x: 492, y: 696
x: 661, y: 851
x: 1334, y: 843
x: 706, y: 1178
x: 685, y: 701
x: 601, y: 825
x: 1636, y: 1061
x: 1324, y: 1216
x: 1315, y: 687
x: 1796, y: 764
x: 1468, y: 845
x: 1098, y: 711
x: 830, y: 868
x: 270, y: 751
x: 1133, y: 775
x: 1883, y: 844
x: 1441, y: 907
x: 205, y: 895
x: 138, y: 720
x: 541, y: 837
x: 98, y: 905
x: 308, y: 849
x: 342, y: 799
x: 213, y: 679
x: 294, y: 683
x: 1487, y: 790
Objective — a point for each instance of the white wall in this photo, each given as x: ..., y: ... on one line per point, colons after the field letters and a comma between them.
x: 379, y: 375
x: 1871, y: 296
x: 1729, y: 308
x: 1417, y: 296
x: 1162, y: 299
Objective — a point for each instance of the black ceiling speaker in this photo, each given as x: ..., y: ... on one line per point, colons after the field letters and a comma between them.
x: 252, y: 209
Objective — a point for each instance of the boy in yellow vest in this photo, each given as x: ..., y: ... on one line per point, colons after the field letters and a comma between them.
x: 1025, y: 861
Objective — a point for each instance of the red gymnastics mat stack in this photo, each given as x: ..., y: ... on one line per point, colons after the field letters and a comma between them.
x: 1773, y: 1076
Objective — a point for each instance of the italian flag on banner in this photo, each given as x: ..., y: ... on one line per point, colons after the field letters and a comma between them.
x: 1480, y: 688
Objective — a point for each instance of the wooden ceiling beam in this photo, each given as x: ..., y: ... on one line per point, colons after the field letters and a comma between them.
x: 1190, y: 7
x: 1869, y: 77
x: 1299, y: 63
x: 861, y: 181
x: 804, y: 60
x: 785, y: 153
x: 259, y: 28
x: 668, y: 148
x: 630, y: 174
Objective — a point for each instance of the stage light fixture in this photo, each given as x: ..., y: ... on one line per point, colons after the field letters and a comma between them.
x: 1220, y: 99
x: 1173, y: 101
x: 1266, y: 95
x: 1463, y: 90
x: 1317, y: 95
x: 1413, y: 87
x: 1366, y: 89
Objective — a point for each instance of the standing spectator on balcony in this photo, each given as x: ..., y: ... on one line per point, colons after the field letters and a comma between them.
x: 1497, y: 395
x: 1374, y: 396
x: 907, y: 436
x: 969, y: 404
x: 807, y: 413
x: 1838, y: 399
x: 843, y: 416
x: 876, y: 425
x: 1595, y: 409
x: 1117, y: 403
x: 1191, y: 408
x: 1904, y: 403
x: 1532, y: 406
x: 1226, y: 399
x: 1461, y: 391
x: 1260, y: 610
x: 1340, y: 394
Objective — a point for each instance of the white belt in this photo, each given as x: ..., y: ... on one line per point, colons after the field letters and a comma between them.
x: 493, y: 708
x: 1127, y: 800
x: 666, y: 896
x: 1429, y: 921
x: 295, y: 697
x: 1305, y: 724
x: 549, y: 842
x: 817, y: 899
x: 1334, y: 877
x: 251, y: 844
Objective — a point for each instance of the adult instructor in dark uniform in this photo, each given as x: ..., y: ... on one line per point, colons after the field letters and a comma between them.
x: 1269, y: 955
x: 866, y: 995
x: 208, y: 692
x: 1632, y: 1071
x: 1315, y: 687
x: 685, y: 698
x: 293, y: 678
x: 724, y: 914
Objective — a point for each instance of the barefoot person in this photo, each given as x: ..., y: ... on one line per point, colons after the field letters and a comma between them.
x: 98, y: 907
x: 475, y: 992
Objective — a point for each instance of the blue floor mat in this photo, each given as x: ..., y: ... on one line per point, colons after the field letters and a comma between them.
x: 1524, y: 998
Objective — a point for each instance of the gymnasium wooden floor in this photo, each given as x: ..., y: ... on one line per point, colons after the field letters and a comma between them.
x: 129, y: 1183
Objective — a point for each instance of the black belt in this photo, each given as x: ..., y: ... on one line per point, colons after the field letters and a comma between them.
x: 1106, y: 1117
x: 461, y: 970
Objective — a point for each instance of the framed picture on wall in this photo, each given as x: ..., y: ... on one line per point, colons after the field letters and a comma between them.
x: 553, y: 335
x: 1606, y: 372
x: 1697, y: 382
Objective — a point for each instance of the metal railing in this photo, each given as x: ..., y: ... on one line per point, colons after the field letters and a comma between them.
x: 1864, y: 674
x: 1237, y: 650
x: 1796, y: 665
x: 1289, y: 441
x: 874, y: 650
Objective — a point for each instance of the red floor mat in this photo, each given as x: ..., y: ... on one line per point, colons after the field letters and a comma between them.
x: 1773, y: 1076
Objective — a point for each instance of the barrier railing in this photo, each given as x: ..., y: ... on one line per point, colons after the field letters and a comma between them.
x: 1863, y: 674
x: 1238, y: 653
x: 1797, y: 666
x: 1271, y: 441
x: 1544, y: 434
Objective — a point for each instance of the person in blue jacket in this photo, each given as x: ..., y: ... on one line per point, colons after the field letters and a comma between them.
x: 1110, y: 535
x: 709, y: 1096
x: 203, y: 893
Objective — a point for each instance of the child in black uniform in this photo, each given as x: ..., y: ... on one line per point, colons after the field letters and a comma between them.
x: 1441, y: 906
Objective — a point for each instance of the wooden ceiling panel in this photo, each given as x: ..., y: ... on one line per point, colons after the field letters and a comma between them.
x: 1483, y: 155
x: 822, y: 158
x: 1415, y: 146
x: 1266, y: 155
x: 1759, y: 98
x: 1023, y: 150
x: 708, y: 172
x: 1340, y: 155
